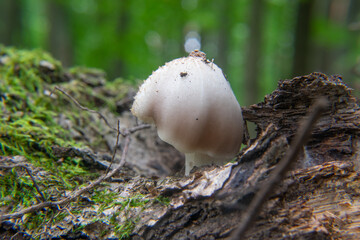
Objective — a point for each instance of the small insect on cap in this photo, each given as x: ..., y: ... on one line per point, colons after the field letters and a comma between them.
x: 192, y: 104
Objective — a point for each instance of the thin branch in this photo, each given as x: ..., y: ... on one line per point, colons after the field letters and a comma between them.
x: 34, y: 182
x: 28, y: 170
x: 13, y: 236
x: 45, y: 226
x: 129, y: 131
x: 75, y: 194
x: 115, y: 148
x: 280, y: 171
x: 124, y: 134
x: 82, y: 107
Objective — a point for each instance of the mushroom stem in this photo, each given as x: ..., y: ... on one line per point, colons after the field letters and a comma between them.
x: 200, y: 159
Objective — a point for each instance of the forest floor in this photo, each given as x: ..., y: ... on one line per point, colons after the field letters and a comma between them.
x: 75, y: 164
x: 58, y: 133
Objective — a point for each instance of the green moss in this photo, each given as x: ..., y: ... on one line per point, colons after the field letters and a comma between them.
x: 106, y: 199
x: 138, y: 200
x: 28, y: 128
x: 102, y: 93
x: 162, y: 200
x: 123, y: 231
x: 125, y: 214
x: 16, y: 190
x: 26, y: 122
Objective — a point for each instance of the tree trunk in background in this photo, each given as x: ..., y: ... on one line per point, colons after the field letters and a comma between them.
x: 59, y: 35
x: 118, y: 65
x: 354, y: 27
x: 119, y: 15
x: 352, y: 17
x: 327, y: 56
x: 10, y: 22
x: 224, y: 33
x: 337, y: 14
x: 254, y: 51
x: 302, y: 38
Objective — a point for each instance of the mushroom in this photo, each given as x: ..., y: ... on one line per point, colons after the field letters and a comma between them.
x: 194, y: 109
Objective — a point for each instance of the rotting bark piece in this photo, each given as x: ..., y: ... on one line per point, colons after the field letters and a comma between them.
x: 293, y: 97
x: 334, y: 135
x: 321, y: 201
x: 89, y: 158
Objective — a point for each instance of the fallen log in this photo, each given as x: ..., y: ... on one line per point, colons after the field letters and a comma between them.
x: 319, y: 199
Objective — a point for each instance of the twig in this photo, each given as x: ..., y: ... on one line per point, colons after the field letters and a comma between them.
x: 124, y: 134
x: 13, y: 236
x: 129, y: 131
x: 28, y: 170
x: 115, y: 148
x: 75, y: 194
x: 280, y: 171
x: 45, y: 225
x: 82, y: 107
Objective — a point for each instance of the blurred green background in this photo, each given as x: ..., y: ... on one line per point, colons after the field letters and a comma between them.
x: 255, y: 42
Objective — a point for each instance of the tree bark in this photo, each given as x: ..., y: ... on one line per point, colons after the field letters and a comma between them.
x: 59, y: 34
x: 302, y: 37
x: 254, y: 51
x: 224, y: 33
x: 10, y: 27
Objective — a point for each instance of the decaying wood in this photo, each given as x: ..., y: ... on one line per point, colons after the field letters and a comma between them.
x: 282, y: 168
x: 318, y: 200
x: 334, y: 135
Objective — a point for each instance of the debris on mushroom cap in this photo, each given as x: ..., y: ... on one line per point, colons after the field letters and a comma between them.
x: 198, y: 53
x: 192, y: 104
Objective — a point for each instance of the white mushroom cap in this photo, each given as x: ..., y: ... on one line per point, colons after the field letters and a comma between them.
x: 192, y: 104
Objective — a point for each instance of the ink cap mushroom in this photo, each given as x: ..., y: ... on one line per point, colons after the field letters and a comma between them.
x: 194, y: 109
